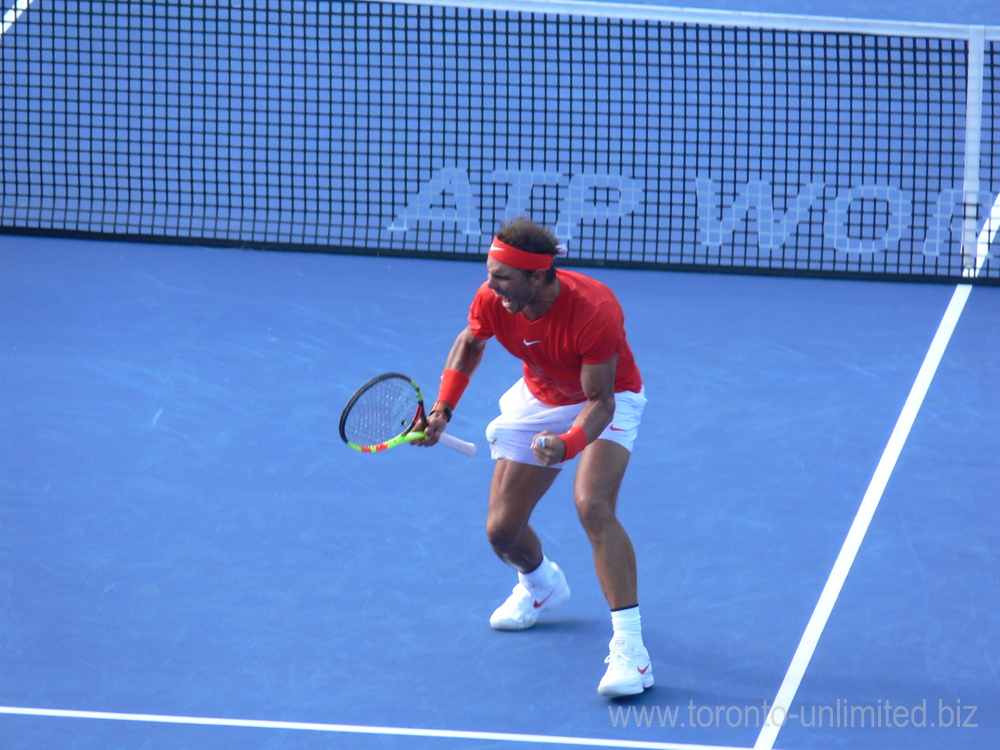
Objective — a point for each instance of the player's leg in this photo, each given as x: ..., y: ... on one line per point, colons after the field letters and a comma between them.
x: 598, y: 480
x: 514, y: 493
x: 519, y: 482
x: 516, y: 489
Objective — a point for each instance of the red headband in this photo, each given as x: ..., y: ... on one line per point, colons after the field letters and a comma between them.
x: 522, y: 259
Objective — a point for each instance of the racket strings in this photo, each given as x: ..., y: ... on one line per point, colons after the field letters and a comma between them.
x: 383, y: 411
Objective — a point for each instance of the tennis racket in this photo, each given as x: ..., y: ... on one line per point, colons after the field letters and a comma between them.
x: 385, y: 412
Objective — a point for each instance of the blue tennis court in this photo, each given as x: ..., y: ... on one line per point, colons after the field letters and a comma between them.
x: 190, y: 557
x: 186, y: 536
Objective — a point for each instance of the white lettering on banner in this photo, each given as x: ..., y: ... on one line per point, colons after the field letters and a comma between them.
x: 450, y: 198
x: 447, y: 197
x: 717, y: 222
x: 519, y: 188
x: 580, y: 204
x: 948, y: 219
x: 900, y: 216
x: 773, y: 230
x: 427, y: 205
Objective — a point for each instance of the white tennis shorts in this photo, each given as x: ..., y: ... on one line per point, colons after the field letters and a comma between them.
x: 522, y: 416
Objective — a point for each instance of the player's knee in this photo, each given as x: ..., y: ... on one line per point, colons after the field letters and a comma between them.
x: 595, y: 513
x: 502, y: 534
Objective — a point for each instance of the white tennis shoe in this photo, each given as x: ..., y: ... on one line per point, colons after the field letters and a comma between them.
x: 629, y: 670
x: 522, y: 608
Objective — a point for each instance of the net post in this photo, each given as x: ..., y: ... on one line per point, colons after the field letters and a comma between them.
x: 973, y: 145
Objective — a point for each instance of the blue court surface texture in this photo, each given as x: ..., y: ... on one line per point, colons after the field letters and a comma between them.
x: 185, y: 539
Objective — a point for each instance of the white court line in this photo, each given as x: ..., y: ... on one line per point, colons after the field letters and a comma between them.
x: 856, y: 534
x: 13, y: 13
x: 357, y: 729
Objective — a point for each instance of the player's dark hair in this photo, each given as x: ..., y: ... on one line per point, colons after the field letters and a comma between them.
x: 524, y: 234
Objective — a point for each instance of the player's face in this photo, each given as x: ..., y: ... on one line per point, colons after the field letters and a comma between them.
x: 515, y: 289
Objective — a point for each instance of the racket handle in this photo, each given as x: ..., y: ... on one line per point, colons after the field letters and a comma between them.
x: 450, y: 441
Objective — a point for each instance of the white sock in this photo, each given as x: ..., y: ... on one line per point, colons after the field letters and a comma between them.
x: 541, y: 578
x: 627, y: 624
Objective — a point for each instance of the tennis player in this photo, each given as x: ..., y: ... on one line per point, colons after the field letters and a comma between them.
x: 581, y: 398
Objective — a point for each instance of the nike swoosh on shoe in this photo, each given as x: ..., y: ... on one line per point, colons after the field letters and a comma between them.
x: 541, y: 603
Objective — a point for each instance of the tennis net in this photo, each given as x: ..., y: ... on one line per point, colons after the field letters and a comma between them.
x: 646, y: 137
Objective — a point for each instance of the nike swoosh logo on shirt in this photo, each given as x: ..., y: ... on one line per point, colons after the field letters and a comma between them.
x: 618, y: 429
x: 531, y: 343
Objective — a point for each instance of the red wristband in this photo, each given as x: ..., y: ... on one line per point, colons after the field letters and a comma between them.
x: 453, y: 385
x: 575, y: 440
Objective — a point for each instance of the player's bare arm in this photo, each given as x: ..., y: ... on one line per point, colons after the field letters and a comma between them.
x: 598, y: 382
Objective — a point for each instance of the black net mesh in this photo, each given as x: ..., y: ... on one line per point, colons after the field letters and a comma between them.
x: 414, y: 129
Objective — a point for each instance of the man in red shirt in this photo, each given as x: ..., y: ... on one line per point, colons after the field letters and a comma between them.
x: 581, y: 395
